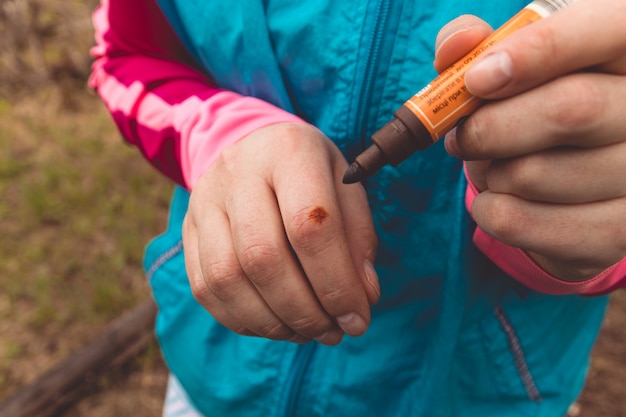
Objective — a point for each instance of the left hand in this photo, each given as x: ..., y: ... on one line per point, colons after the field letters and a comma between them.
x: 548, y: 151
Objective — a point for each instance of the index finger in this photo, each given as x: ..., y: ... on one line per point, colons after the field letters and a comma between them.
x: 316, y: 230
x: 585, y: 34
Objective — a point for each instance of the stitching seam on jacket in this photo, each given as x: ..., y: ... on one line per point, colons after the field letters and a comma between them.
x: 518, y: 355
x: 166, y: 256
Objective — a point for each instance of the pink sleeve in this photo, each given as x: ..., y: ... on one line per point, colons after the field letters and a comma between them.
x: 160, y: 101
x: 520, y: 266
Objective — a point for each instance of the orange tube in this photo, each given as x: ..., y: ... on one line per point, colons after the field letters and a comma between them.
x: 437, y: 108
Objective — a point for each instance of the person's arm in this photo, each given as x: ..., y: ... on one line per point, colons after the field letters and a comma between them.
x: 161, y: 102
x: 275, y: 245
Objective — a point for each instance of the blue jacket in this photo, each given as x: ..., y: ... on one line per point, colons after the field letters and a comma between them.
x: 452, y: 334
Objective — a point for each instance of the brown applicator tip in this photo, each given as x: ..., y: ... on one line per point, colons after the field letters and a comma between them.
x: 353, y: 174
x: 364, y: 165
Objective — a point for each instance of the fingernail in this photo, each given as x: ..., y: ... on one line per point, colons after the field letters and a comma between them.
x: 451, y: 144
x: 372, y: 276
x: 447, y: 32
x: 489, y: 74
x: 352, y: 324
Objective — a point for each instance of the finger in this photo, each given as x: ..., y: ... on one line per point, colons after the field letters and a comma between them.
x: 477, y: 172
x: 562, y: 175
x: 315, y: 228
x: 199, y: 288
x: 360, y: 233
x: 575, y: 110
x: 583, y: 235
x: 229, y: 288
x: 266, y: 259
x: 457, y: 37
x: 586, y: 34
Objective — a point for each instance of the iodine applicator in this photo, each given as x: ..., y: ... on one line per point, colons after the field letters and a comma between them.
x: 437, y: 108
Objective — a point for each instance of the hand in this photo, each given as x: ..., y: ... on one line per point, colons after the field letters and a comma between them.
x: 276, y: 245
x: 549, y: 148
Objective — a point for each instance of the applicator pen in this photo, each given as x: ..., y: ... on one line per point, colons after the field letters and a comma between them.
x: 437, y: 108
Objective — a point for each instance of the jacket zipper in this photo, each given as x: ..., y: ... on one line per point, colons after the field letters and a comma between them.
x: 295, y: 378
x: 304, y: 353
x: 372, y: 63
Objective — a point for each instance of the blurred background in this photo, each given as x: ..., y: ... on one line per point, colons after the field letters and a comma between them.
x: 77, y: 207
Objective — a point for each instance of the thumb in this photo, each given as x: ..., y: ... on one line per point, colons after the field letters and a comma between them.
x: 584, y: 35
x: 458, y: 37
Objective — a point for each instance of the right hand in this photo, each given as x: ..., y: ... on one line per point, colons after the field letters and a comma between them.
x: 276, y: 245
x: 548, y: 148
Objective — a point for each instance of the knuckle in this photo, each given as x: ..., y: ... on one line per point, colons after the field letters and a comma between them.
x: 501, y: 219
x: 578, y: 104
x: 524, y: 174
x: 275, y: 331
x: 260, y: 260
x: 335, y: 297
x: 543, y: 40
x: 223, y: 278
x: 309, y: 228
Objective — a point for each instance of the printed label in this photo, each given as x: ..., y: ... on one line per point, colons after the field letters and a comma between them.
x: 442, y: 103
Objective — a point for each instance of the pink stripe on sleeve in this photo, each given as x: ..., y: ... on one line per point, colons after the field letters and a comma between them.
x: 520, y: 266
x: 225, y: 118
x: 160, y: 101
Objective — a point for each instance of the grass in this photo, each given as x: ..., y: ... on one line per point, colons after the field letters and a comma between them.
x: 77, y: 207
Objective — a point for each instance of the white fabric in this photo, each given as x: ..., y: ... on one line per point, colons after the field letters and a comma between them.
x: 177, y: 402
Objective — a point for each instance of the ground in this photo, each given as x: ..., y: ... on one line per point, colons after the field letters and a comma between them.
x: 604, y: 394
